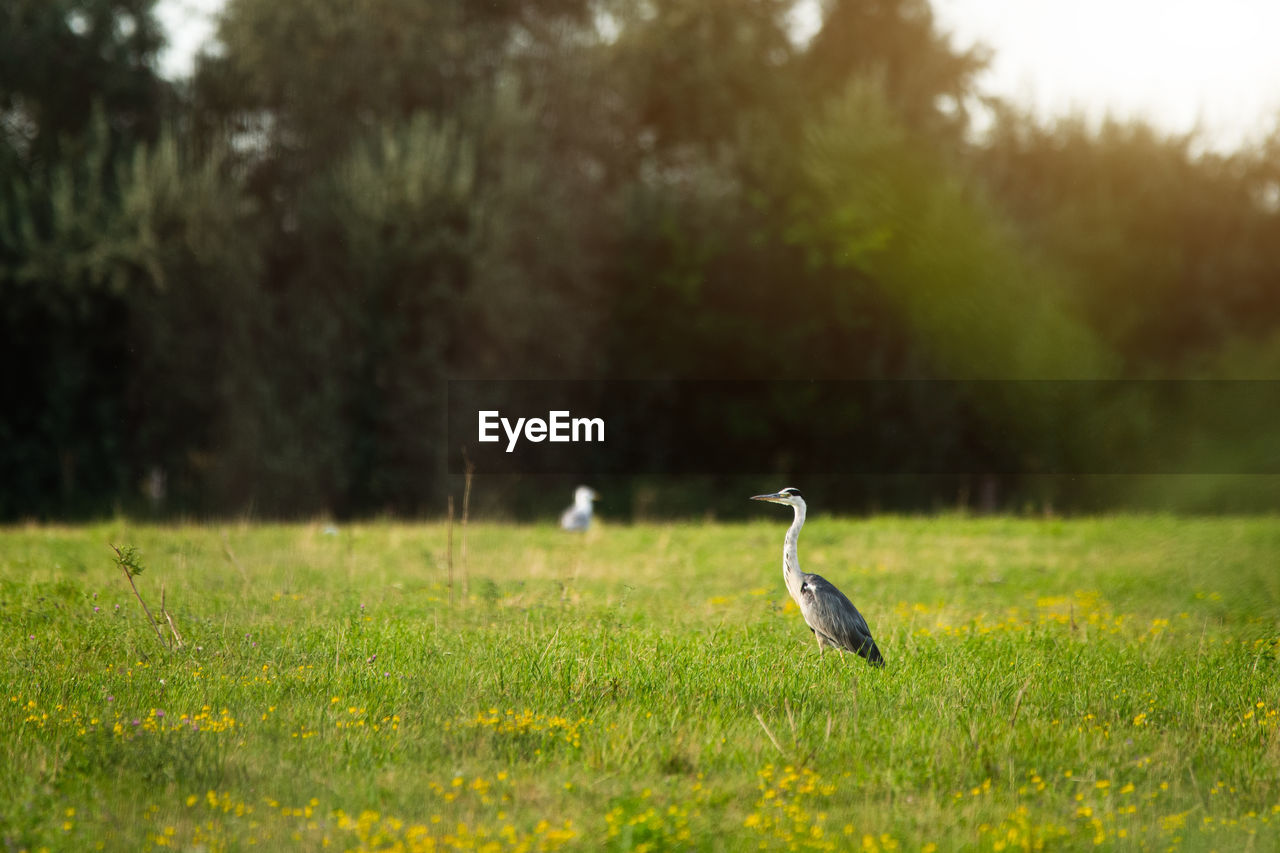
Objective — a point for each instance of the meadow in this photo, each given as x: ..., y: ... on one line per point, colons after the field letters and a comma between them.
x: 1098, y: 683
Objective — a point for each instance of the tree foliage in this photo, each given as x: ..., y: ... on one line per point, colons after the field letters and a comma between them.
x: 60, y: 60
x: 1170, y: 248
x: 254, y: 287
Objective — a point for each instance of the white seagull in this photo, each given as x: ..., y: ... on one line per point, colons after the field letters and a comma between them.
x: 578, y: 516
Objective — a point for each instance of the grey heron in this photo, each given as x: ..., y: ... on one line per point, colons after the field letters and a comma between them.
x: 578, y: 516
x: 828, y: 612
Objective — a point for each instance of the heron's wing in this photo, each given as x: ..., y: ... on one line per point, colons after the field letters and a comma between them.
x: 829, y: 612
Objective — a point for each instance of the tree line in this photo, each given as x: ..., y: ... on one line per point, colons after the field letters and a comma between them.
x: 245, y: 291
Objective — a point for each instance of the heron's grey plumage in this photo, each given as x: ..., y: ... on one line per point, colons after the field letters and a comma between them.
x: 827, y: 611
x: 834, y: 619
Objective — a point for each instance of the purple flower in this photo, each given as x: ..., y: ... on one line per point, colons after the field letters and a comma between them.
x: 159, y: 713
x: 110, y: 698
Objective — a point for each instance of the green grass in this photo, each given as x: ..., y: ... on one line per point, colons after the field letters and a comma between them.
x: 1056, y: 684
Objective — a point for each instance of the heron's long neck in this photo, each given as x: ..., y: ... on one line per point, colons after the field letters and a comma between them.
x: 790, y: 559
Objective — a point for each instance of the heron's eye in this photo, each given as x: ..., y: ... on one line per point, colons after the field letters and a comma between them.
x: 791, y: 493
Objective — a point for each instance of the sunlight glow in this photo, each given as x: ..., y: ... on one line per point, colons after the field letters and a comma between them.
x: 1181, y: 64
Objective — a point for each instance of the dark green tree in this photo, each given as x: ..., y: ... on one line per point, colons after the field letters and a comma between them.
x: 78, y: 92
x: 59, y: 59
x: 63, y: 332
x: 427, y: 216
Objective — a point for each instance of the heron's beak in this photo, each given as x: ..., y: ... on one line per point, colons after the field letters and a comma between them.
x: 776, y: 498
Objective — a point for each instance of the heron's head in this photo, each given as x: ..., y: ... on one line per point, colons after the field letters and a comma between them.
x: 584, y: 495
x: 788, y: 496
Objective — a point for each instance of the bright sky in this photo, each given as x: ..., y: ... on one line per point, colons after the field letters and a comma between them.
x: 188, y: 24
x: 1182, y: 64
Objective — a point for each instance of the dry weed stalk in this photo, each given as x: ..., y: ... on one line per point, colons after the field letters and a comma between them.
x: 466, y: 512
x: 127, y: 560
x: 448, y: 554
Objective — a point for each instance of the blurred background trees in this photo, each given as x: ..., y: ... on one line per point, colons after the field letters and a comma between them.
x: 244, y: 292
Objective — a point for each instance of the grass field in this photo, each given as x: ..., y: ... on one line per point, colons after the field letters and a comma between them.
x: 1057, y: 684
